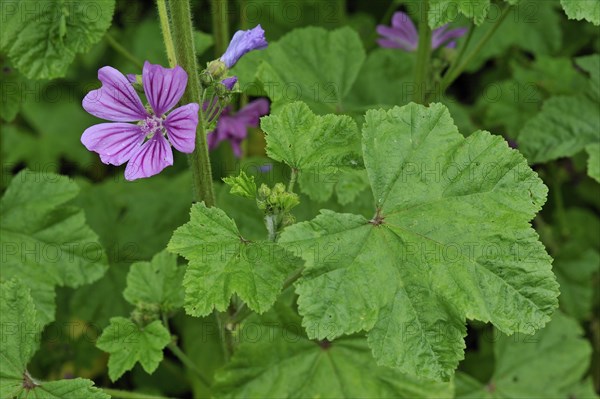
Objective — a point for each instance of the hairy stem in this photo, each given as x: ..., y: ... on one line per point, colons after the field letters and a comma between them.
x: 122, y: 50
x: 454, y: 73
x: 293, y: 178
x: 220, y: 25
x: 423, y: 55
x: 186, y: 57
x: 166, y: 31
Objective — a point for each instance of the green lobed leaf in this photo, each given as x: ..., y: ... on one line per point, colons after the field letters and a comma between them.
x: 593, y: 151
x: 156, y: 282
x: 20, y: 335
x: 444, y: 11
x: 129, y: 343
x: 318, y: 147
x: 276, y: 359
x: 223, y: 263
x: 564, y: 127
x: 588, y: 10
x: 549, y: 364
x: 575, y: 276
x: 242, y: 185
x: 312, y: 65
x: 42, y: 37
x: 45, y: 241
x: 19, y: 341
x: 412, y: 275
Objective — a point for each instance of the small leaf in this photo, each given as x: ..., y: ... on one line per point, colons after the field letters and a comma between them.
x: 444, y: 11
x: 242, y: 185
x: 593, y: 151
x: 582, y: 9
x: 156, y: 282
x: 222, y: 262
x: 319, y: 147
x: 129, y: 343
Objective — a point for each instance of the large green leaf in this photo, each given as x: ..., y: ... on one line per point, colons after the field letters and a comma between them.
x: 129, y: 343
x: 564, y: 127
x: 532, y: 25
x: 318, y: 147
x: 549, y: 364
x: 310, y: 65
x: 45, y: 241
x: 156, y: 282
x: 19, y: 341
x: 276, y: 359
x: 582, y: 9
x: 42, y: 37
x: 450, y: 240
x: 223, y: 263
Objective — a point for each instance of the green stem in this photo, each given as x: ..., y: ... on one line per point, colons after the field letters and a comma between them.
x: 451, y: 75
x: 224, y: 337
x: 462, y: 50
x: 119, y: 394
x: 123, y: 51
x: 183, y: 358
x: 293, y: 178
x: 187, y: 362
x: 161, y: 5
x: 186, y: 57
x: 423, y: 55
x: 220, y: 25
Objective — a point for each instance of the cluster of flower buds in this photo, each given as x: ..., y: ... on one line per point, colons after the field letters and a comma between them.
x: 145, y: 313
x: 277, y: 203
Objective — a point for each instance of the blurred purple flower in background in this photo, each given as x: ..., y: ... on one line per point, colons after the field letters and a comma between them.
x: 234, y: 128
x: 242, y: 42
x: 403, y: 34
x: 143, y: 145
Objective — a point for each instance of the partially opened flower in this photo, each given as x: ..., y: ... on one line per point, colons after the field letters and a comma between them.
x: 234, y: 128
x: 146, y: 146
x: 229, y: 82
x: 242, y: 42
x: 403, y: 34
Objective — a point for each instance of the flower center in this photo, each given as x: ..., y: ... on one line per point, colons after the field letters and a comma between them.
x: 151, y: 125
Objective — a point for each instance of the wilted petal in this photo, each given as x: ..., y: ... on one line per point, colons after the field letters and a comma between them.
x: 150, y: 159
x: 242, y: 42
x: 116, y: 100
x: 163, y: 86
x: 115, y: 142
x: 442, y: 35
x: 181, y: 127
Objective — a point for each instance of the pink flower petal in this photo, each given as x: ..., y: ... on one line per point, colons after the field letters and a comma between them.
x: 116, y: 100
x: 402, y: 22
x: 181, y: 126
x: 115, y: 142
x: 150, y: 159
x: 163, y: 87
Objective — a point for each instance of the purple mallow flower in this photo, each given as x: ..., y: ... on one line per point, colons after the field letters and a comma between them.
x: 242, y: 42
x: 229, y: 82
x: 143, y: 145
x: 234, y: 128
x: 403, y: 34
